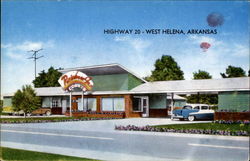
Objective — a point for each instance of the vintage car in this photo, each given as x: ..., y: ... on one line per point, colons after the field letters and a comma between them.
x: 41, y: 111
x: 194, y: 112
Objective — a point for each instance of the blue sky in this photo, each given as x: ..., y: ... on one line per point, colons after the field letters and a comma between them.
x: 71, y: 34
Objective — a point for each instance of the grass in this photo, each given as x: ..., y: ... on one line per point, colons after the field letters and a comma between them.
x: 52, y: 119
x: 4, y: 113
x: 208, y: 126
x: 38, y: 118
x: 17, y: 154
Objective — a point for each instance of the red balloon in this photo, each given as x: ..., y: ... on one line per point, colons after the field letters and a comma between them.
x: 205, y: 46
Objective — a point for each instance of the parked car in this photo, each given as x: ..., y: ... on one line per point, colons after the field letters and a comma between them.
x: 41, y: 111
x: 193, y: 112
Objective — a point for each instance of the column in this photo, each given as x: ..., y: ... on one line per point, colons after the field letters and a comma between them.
x: 172, y: 105
x: 70, y: 104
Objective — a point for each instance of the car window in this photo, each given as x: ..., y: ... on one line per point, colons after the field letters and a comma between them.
x: 187, y: 107
x: 197, y: 107
x: 204, y: 107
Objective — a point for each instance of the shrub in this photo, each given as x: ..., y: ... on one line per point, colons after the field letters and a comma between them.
x: 191, y: 131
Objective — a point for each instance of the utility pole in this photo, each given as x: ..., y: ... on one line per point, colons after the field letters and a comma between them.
x: 34, y: 57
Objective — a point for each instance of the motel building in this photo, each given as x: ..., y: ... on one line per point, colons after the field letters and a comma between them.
x: 117, y: 92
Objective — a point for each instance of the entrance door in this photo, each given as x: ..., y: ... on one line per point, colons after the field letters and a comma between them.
x: 79, y: 104
x: 140, y: 104
x: 64, y: 106
x: 145, y: 109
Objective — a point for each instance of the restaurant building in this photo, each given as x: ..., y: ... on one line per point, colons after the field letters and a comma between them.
x: 118, y: 92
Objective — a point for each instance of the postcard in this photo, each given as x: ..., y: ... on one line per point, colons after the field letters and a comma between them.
x: 125, y: 80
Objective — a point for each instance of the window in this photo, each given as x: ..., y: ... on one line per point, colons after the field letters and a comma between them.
x: 113, y: 104
x: 204, y: 107
x: 89, y: 104
x: 197, y: 107
x: 54, y: 103
x: 107, y: 104
x: 119, y: 104
x: 46, y: 102
x: 79, y: 104
x: 137, y: 107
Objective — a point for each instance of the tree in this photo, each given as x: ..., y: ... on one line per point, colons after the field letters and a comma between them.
x: 16, y: 100
x: 49, y: 79
x: 26, y: 100
x: 232, y: 71
x: 201, y: 75
x: 166, y: 69
x: 1, y: 106
x: 202, y: 98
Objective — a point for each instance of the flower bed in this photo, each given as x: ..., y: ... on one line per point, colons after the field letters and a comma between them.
x: 47, y: 120
x: 190, y: 131
x: 245, y: 122
x: 97, y: 114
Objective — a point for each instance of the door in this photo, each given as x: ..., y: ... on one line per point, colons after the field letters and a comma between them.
x: 64, y: 106
x: 140, y: 104
x: 79, y: 104
x: 145, y: 107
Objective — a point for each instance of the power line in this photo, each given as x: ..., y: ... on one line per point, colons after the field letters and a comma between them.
x: 34, y: 57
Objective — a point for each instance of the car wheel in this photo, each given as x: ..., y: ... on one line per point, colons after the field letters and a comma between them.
x: 48, y: 113
x: 191, y: 118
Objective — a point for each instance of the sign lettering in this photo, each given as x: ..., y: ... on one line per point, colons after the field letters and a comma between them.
x: 76, y: 79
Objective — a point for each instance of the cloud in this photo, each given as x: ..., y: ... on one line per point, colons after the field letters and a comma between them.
x: 240, y: 50
x: 4, y: 46
x: 233, y: 49
x: 121, y: 38
x: 215, y: 60
x: 14, y: 55
x: 16, y: 75
x: 16, y: 69
x: 16, y: 51
x: 26, y: 46
x: 199, y: 39
x: 136, y: 43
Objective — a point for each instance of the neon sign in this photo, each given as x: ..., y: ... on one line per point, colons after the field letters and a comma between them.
x: 75, y: 79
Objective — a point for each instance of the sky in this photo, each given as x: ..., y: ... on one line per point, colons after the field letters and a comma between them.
x: 71, y: 34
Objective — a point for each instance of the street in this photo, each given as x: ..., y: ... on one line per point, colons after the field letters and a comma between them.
x: 109, y: 144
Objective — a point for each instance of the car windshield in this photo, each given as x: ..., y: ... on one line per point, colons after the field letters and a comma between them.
x: 187, y: 107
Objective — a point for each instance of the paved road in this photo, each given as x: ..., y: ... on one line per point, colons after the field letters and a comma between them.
x: 122, y: 145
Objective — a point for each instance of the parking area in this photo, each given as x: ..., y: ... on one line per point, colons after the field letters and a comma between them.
x: 102, y: 125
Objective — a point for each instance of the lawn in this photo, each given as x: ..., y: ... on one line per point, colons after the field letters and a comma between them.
x: 208, y: 126
x: 16, y: 154
x: 40, y: 118
x: 47, y: 119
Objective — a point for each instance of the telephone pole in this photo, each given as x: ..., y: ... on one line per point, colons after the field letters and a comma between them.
x: 34, y: 57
